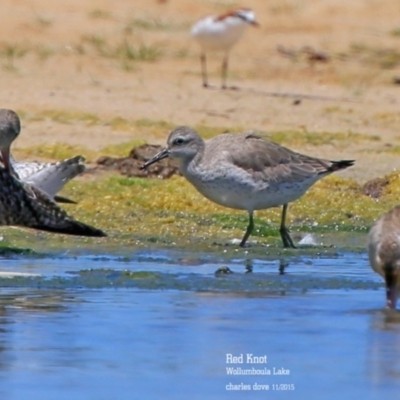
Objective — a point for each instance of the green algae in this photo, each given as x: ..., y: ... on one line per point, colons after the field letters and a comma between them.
x: 131, y: 216
x: 140, y: 212
x: 265, y: 284
x: 8, y: 251
x: 171, y: 212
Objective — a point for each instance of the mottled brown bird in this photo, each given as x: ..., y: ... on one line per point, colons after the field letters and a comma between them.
x: 50, y: 178
x: 25, y: 205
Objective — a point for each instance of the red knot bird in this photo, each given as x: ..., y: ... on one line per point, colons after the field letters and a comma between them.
x: 384, y: 252
x: 50, y: 178
x: 246, y: 172
x: 220, y: 33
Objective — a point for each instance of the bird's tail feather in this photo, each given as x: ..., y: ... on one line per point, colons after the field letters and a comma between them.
x: 338, y: 165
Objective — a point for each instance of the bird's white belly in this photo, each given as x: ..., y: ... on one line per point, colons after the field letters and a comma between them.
x: 248, y: 194
x: 216, y: 36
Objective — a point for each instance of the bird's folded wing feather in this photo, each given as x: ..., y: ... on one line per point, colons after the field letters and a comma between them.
x: 271, y: 162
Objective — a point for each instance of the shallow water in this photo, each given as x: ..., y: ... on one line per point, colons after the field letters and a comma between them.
x: 164, y: 324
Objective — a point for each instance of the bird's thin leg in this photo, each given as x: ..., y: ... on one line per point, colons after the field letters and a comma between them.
x: 225, y: 62
x: 287, y: 240
x: 248, y: 230
x: 203, y: 60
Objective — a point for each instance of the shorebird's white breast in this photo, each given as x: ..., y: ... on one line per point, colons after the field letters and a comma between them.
x: 214, y: 35
x: 237, y: 188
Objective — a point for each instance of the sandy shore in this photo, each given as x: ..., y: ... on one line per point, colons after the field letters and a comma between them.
x: 76, y: 57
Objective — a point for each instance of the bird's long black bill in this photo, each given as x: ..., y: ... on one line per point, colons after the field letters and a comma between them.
x: 158, y: 157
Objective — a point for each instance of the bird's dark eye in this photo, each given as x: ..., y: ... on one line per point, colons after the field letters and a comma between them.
x: 179, y: 141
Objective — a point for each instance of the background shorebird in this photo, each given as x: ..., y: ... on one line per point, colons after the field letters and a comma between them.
x: 384, y: 252
x: 50, y: 178
x: 220, y: 33
x: 245, y: 171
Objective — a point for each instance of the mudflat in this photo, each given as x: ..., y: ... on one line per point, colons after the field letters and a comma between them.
x: 84, y: 74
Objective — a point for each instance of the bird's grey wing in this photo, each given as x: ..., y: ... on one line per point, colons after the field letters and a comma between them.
x: 274, y: 163
x: 52, y: 179
x: 26, y: 169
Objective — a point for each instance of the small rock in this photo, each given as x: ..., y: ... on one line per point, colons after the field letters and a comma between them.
x: 223, y: 271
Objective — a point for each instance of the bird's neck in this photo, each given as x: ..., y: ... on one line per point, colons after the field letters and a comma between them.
x: 189, y: 165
